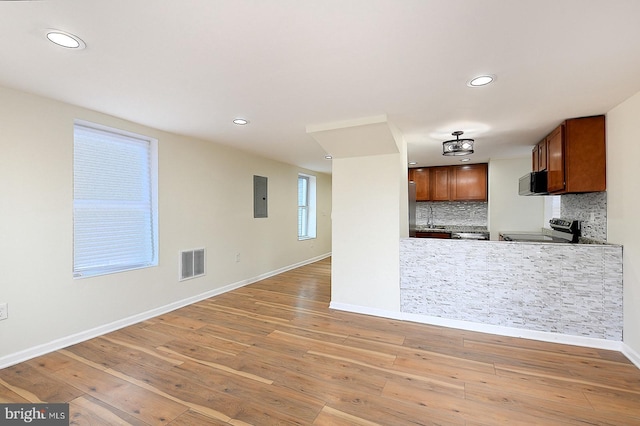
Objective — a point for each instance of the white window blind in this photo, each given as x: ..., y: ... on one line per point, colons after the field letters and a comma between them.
x: 306, y: 207
x: 303, y: 206
x: 114, y: 204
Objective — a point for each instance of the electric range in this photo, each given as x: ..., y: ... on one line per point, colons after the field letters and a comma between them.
x: 562, y: 231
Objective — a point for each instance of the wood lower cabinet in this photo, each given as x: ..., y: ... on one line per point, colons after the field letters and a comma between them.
x: 440, y: 235
x: 451, y: 183
x: 576, y: 156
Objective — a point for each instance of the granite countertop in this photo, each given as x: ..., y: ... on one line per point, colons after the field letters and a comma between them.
x: 585, y: 240
x: 451, y: 228
x: 581, y: 240
x: 549, y: 232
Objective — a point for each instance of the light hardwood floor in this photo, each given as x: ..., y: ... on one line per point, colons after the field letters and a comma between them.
x: 274, y: 353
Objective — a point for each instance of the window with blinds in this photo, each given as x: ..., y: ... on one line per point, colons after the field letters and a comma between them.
x: 115, y: 219
x: 306, y: 207
x: 303, y: 206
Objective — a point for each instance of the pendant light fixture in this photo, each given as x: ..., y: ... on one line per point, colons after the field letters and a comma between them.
x: 457, y: 146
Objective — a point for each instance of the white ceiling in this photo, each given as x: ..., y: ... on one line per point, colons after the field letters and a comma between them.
x: 191, y: 66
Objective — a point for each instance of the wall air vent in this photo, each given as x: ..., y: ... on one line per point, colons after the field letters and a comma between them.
x: 192, y: 264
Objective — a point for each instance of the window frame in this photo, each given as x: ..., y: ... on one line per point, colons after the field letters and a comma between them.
x: 310, y: 230
x: 151, y: 257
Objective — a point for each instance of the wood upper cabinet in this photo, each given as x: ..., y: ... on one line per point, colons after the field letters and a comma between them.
x: 450, y: 183
x: 440, y: 183
x: 539, y: 156
x: 576, y: 156
x: 469, y: 182
x: 542, y: 148
x: 555, y: 156
x: 421, y: 178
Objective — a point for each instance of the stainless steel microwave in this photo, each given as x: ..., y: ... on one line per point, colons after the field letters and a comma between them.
x: 534, y: 183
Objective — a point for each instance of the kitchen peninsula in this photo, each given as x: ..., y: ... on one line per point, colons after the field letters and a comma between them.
x: 569, y: 289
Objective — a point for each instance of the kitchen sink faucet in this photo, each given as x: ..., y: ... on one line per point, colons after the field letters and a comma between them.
x: 430, y: 223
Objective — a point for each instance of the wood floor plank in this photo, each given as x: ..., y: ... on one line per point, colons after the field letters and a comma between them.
x: 313, y: 332
x: 574, y: 360
x: 18, y: 393
x: 33, y: 386
x: 274, y: 353
x: 304, y: 373
x: 332, y: 417
x: 89, y: 411
x: 132, y: 399
x: 370, y: 356
x: 174, y: 386
x: 144, y: 334
x: 390, y: 411
x: 193, y: 418
x: 392, y: 372
x: 255, y: 395
x: 138, y: 352
x: 7, y: 395
x: 469, y: 410
x: 568, y: 378
x: 616, y: 403
x: 218, y: 366
x: 462, y: 371
x: 177, y: 320
x: 543, y: 408
x: 248, y: 308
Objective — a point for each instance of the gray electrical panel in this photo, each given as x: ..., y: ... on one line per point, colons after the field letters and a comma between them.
x: 259, y: 196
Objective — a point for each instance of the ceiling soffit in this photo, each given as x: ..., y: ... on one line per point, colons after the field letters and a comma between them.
x: 356, y: 138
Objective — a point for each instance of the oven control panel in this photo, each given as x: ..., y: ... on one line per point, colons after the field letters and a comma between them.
x: 565, y: 225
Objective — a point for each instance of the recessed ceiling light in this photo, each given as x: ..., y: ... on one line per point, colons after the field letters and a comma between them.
x: 481, y: 80
x: 65, y: 39
x: 328, y: 157
x: 412, y: 163
x: 240, y: 121
x: 466, y: 160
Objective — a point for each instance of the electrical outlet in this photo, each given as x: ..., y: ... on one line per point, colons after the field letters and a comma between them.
x: 4, y: 313
x: 237, y: 257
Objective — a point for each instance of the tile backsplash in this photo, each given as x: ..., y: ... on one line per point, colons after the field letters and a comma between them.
x: 591, y: 209
x: 466, y: 213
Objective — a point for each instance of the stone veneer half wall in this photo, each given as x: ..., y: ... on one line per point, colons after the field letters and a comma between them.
x: 570, y: 289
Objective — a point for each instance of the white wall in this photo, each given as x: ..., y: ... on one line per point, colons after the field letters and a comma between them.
x: 366, y: 223
x: 205, y: 200
x: 509, y: 211
x: 623, y: 206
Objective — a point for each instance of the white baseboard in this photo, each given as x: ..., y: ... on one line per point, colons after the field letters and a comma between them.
x: 357, y: 309
x: 24, y: 355
x: 566, y: 339
x: 633, y: 356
